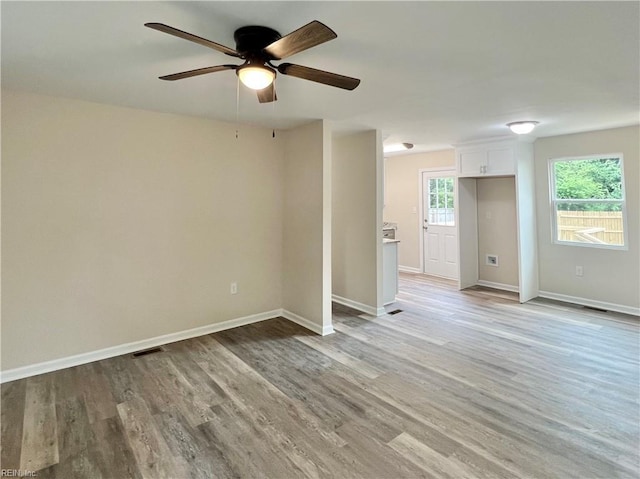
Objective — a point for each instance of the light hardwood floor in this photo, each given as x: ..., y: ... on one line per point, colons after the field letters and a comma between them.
x: 457, y: 385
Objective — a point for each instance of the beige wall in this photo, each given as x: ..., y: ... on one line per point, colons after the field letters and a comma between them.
x: 497, y: 230
x: 402, y: 199
x: 610, y: 276
x: 121, y: 225
x: 307, y: 225
x: 356, y: 229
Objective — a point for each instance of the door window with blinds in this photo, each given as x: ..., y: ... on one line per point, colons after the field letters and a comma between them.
x: 588, y: 201
x: 440, y: 209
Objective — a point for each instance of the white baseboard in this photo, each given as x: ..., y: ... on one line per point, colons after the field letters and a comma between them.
x: 305, y: 323
x: 502, y: 286
x: 84, y: 358
x: 409, y: 269
x: 365, y: 308
x: 619, y: 308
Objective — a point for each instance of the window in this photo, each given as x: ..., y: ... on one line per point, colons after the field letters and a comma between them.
x: 588, y: 201
x: 440, y: 211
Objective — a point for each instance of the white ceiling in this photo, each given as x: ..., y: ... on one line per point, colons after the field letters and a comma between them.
x: 433, y: 73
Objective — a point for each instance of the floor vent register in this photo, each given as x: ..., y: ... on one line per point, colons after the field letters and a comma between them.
x: 146, y: 352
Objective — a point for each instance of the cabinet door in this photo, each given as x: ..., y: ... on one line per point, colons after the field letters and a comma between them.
x: 501, y: 161
x: 472, y: 163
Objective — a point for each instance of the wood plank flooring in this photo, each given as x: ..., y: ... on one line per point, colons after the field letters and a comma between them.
x: 458, y: 385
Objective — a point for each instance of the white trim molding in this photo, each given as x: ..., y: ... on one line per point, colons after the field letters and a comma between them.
x: 502, y: 286
x: 409, y: 269
x: 91, y: 356
x: 618, y: 308
x: 306, y: 323
x: 365, y: 308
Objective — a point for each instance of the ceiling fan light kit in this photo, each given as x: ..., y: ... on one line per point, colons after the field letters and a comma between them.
x: 522, y: 127
x: 256, y: 77
x: 259, y: 46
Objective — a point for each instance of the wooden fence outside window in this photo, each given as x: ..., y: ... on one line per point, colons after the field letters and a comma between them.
x: 598, y: 227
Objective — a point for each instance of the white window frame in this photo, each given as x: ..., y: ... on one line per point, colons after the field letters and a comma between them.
x: 553, y: 201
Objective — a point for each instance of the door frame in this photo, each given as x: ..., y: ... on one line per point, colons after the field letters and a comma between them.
x: 440, y: 171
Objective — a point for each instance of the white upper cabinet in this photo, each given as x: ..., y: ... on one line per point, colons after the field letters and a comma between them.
x: 471, y: 163
x: 496, y: 158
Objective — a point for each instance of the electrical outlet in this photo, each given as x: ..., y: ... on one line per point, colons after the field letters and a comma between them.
x: 492, y: 260
x: 234, y: 288
x: 579, y: 271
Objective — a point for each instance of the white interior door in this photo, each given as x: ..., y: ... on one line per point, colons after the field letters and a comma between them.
x: 439, y: 229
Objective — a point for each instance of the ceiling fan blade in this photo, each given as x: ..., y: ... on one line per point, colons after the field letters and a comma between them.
x: 199, y: 71
x: 161, y: 27
x: 319, y: 76
x: 310, y: 35
x: 267, y: 95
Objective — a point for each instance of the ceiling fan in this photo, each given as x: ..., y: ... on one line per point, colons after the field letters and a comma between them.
x: 259, y: 46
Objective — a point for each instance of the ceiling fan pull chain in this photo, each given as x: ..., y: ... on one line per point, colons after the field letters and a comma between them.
x: 273, y: 110
x: 237, y: 107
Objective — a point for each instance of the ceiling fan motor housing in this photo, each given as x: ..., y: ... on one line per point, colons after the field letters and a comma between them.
x: 251, y: 40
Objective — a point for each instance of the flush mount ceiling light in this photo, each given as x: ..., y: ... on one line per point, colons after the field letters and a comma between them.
x: 256, y: 77
x: 395, y: 147
x: 522, y: 127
